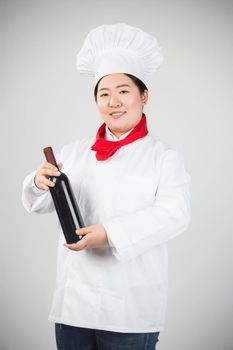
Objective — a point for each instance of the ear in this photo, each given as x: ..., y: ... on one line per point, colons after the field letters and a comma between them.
x: 145, y: 96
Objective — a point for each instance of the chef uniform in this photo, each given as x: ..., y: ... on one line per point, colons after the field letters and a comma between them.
x: 140, y: 194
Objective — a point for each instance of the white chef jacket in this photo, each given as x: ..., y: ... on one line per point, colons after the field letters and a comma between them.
x: 141, y: 195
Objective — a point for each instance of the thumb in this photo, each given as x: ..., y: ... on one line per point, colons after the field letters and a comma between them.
x: 83, y: 230
x: 60, y: 166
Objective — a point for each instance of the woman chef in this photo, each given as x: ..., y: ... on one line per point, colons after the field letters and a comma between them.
x: 133, y: 193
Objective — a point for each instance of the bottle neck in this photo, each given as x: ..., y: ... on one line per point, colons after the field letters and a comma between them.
x: 49, y: 155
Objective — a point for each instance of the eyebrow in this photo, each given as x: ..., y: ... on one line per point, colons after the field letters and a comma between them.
x: 118, y: 86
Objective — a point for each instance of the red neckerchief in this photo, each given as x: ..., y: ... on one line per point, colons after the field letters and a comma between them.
x: 105, y: 149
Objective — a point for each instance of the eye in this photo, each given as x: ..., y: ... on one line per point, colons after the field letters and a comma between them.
x: 123, y: 91
x: 102, y: 95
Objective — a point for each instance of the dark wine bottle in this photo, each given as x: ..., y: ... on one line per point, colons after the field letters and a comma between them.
x: 65, y: 203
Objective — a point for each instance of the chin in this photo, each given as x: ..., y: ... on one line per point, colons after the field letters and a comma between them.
x: 118, y: 126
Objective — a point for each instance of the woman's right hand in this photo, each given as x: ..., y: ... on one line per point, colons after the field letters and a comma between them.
x: 43, y: 173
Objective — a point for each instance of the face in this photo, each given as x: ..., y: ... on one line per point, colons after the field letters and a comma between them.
x: 120, y: 102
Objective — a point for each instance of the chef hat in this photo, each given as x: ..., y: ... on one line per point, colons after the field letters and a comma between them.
x: 119, y: 48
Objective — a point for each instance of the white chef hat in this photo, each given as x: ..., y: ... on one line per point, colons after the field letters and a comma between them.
x: 119, y: 48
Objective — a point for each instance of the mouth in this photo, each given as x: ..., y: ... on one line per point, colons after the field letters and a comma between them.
x: 117, y: 115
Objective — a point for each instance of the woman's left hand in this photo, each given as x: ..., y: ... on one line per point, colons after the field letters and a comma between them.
x: 95, y: 236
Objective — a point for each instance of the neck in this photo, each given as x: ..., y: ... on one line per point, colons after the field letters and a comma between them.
x: 118, y: 134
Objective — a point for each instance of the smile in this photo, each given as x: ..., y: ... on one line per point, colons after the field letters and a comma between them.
x: 117, y: 115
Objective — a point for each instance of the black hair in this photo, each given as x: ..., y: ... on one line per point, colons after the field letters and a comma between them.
x: 141, y: 86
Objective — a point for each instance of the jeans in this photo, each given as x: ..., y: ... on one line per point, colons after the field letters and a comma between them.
x: 76, y: 338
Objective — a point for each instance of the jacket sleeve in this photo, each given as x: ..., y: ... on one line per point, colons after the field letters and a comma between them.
x: 133, y: 234
x: 35, y: 199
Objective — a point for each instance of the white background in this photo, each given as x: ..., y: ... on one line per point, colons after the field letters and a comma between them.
x: 46, y: 102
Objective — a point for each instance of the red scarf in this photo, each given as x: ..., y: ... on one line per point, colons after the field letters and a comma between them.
x: 105, y: 149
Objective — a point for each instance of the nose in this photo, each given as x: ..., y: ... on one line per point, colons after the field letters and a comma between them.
x: 114, y: 102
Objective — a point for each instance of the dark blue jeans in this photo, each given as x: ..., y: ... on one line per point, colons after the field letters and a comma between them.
x: 76, y: 338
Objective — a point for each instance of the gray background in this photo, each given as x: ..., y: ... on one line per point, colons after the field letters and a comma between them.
x: 46, y: 102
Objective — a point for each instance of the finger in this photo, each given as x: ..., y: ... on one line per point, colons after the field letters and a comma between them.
x: 49, y: 172
x: 42, y: 181
x: 48, y: 183
x: 48, y: 165
x: 76, y: 246
x: 83, y: 231
x: 44, y: 187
